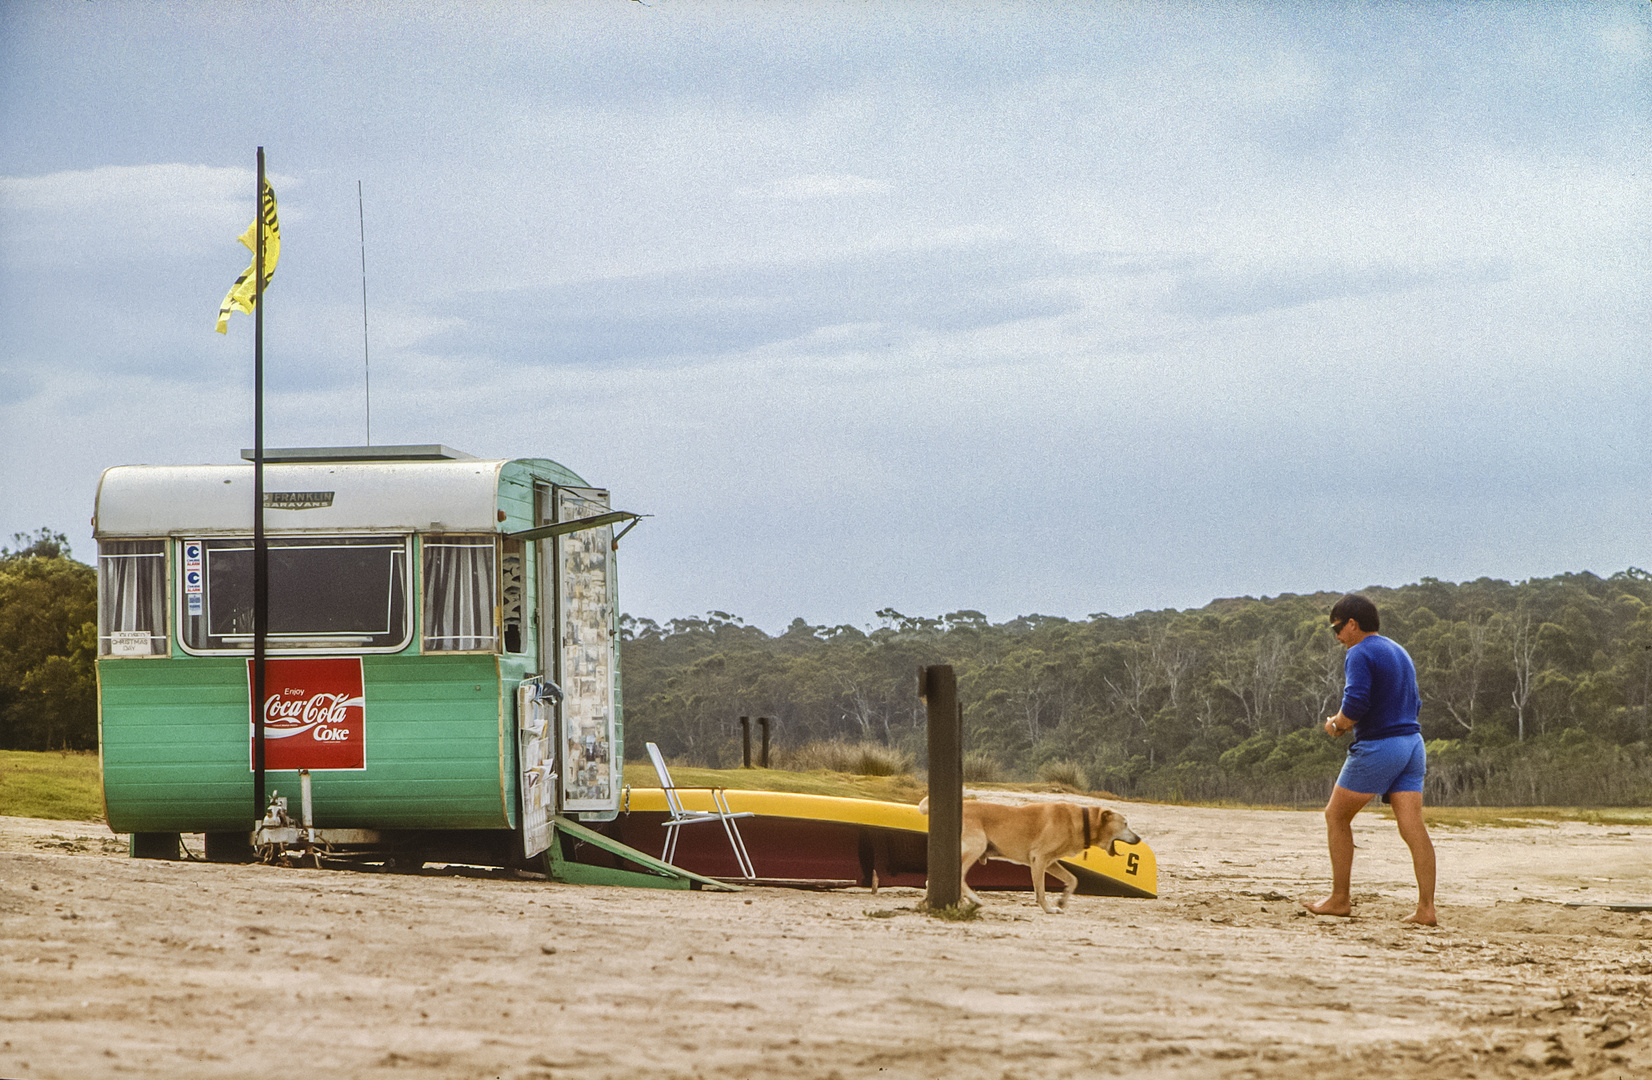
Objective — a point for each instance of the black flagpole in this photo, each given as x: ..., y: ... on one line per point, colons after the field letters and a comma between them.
x: 260, y: 550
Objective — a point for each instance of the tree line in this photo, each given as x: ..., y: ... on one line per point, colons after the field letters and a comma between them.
x: 1533, y: 693
x: 48, y: 642
x: 1536, y: 692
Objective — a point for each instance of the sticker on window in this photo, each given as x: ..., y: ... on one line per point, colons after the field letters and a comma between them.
x: 129, y: 643
x: 193, y: 575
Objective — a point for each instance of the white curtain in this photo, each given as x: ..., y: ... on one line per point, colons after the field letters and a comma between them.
x: 132, y: 596
x: 460, y: 592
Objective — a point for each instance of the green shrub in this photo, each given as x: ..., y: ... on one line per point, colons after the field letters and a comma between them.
x: 48, y: 639
x: 962, y: 911
x: 1068, y: 774
x: 1253, y: 751
x: 1567, y: 768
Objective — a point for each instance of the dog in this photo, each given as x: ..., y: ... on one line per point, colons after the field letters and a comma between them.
x: 1036, y: 835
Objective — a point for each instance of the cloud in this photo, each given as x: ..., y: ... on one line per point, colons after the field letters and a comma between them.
x: 677, y: 316
x: 140, y: 188
x: 1011, y: 309
x: 118, y: 212
x: 797, y: 188
x: 1246, y: 290
x: 1629, y: 45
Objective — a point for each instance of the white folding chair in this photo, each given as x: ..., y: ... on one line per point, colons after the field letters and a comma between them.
x: 681, y: 815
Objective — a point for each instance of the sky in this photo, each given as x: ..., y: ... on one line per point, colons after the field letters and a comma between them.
x: 1058, y: 308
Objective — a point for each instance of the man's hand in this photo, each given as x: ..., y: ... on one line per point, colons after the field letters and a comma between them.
x: 1334, y: 726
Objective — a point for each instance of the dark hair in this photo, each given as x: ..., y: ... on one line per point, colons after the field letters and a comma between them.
x: 1358, y: 608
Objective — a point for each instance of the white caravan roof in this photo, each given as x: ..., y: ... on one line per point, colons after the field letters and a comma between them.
x: 320, y: 497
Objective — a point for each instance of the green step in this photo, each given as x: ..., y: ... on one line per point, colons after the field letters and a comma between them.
x: 573, y: 873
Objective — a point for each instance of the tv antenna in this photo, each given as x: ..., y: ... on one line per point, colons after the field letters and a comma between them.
x: 366, y: 369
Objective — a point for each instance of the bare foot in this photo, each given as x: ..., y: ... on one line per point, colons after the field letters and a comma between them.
x: 1425, y: 916
x: 1342, y: 909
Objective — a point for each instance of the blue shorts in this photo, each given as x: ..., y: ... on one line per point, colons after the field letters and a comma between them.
x: 1381, y: 766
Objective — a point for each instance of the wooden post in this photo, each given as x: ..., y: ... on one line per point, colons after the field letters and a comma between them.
x: 938, y: 687
x: 763, y: 722
x: 745, y: 739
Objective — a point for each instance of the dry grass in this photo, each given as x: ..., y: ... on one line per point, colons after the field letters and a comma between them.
x: 858, y: 759
x: 1507, y: 817
x: 902, y: 789
x: 1067, y: 774
x: 1523, y: 817
x: 67, y: 787
x: 62, y: 786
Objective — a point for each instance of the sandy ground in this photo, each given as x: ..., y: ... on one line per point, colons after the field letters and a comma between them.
x: 111, y: 966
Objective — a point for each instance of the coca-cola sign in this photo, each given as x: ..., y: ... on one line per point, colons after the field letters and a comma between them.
x: 314, y: 713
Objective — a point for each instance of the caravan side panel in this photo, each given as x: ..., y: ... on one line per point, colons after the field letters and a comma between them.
x: 176, y: 747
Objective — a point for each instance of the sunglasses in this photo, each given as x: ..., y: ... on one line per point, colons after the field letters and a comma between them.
x: 1336, y: 627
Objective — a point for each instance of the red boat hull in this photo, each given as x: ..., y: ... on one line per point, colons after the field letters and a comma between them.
x: 803, y: 849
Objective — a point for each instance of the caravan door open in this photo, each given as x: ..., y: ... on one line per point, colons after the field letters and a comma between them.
x: 576, y: 572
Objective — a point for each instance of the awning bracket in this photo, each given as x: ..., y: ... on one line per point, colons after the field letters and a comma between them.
x: 562, y: 528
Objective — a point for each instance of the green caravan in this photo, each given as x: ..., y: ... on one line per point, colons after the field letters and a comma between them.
x: 441, y: 641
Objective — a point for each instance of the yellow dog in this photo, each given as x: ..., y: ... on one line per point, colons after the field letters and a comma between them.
x: 1036, y: 835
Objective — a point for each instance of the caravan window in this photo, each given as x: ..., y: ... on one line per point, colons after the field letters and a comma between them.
x: 132, y: 598
x: 460, y: 593
x: 335, y: 592
x: 512, y: 595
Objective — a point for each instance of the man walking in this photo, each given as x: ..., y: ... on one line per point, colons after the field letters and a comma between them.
x: 1379, y: 705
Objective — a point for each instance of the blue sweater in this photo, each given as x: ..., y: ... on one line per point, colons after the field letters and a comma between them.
x: 1381, y: 693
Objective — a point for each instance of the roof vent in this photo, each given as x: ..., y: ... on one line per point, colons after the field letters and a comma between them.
x: 430, y: 452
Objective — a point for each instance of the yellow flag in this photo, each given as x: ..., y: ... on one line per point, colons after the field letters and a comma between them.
x: 242, y: 295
